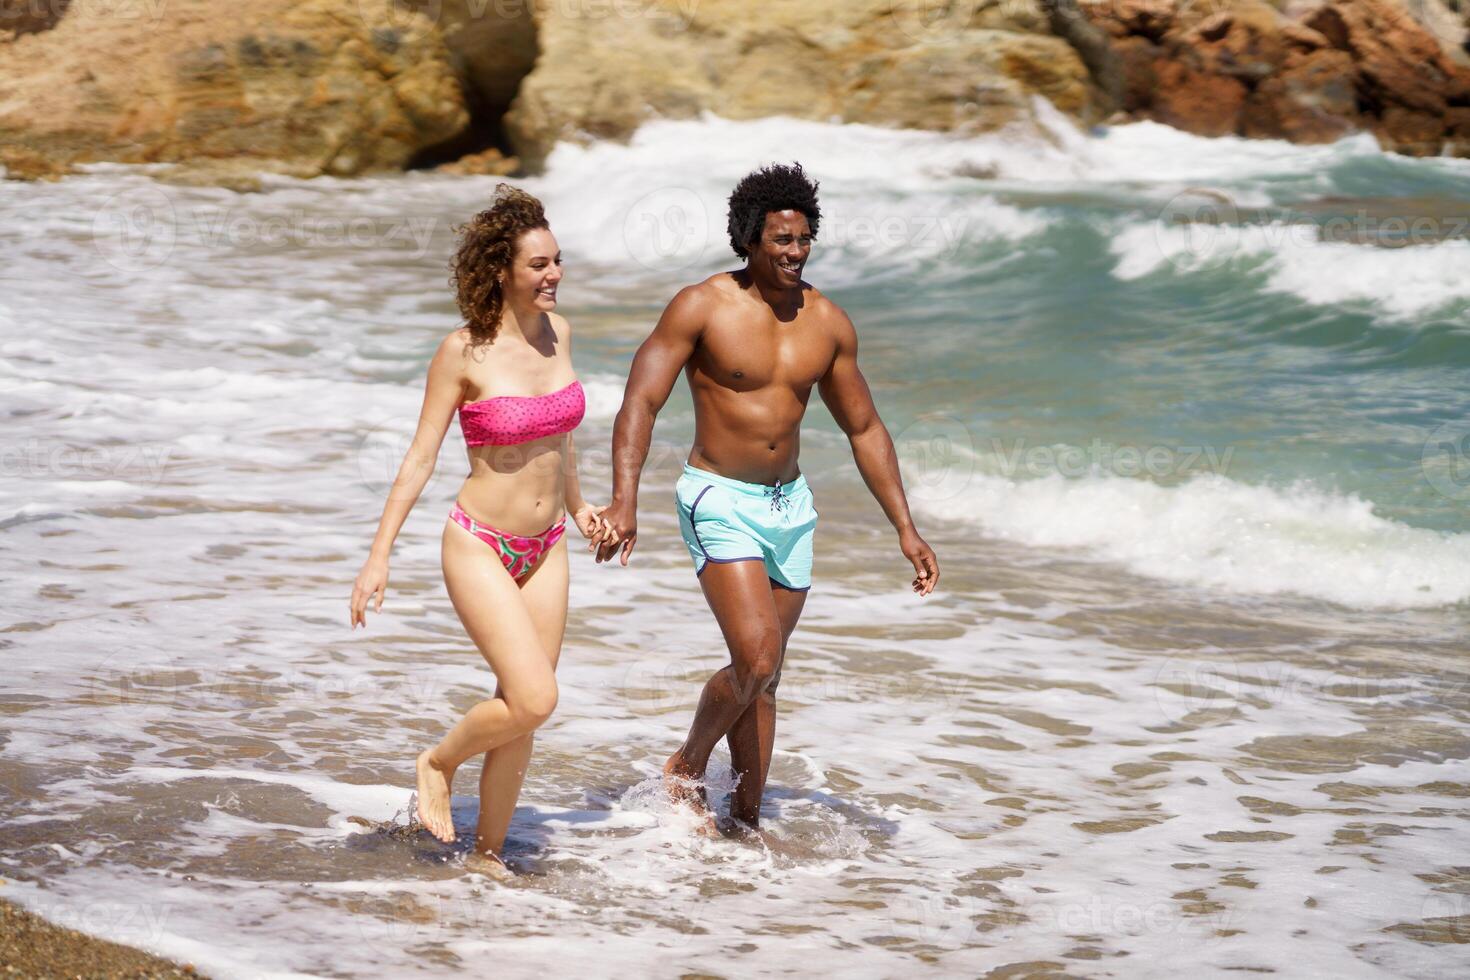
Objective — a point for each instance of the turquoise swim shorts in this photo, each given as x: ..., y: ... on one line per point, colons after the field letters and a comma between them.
x: 725, y: 520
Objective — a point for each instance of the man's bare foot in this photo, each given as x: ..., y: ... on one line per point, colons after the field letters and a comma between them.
x: 488, y: 863
x: 736, y: 829
x: 687, y: 787
x: 433, y: 809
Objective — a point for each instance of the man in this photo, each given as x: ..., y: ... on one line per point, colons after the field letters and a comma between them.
x: 753, y: 343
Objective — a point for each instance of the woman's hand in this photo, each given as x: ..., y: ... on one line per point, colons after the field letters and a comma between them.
x: 588, y: 520
x: 371, y: 581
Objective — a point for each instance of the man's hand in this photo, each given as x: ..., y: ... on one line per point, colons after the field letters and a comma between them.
x: 925, y: 564
x: 619, y: 526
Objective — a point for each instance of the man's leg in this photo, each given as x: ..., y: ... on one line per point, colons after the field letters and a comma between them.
x: 753, y: 735
x: 739, y: 594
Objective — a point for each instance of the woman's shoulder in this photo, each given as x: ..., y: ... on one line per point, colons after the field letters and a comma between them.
x: 452, y: 352
x: 455, y: 346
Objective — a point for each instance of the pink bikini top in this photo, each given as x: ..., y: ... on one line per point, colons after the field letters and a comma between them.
x: 509, y: 419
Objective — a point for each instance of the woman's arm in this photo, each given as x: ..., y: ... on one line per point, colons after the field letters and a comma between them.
x: 442, y: 395
x: 575, y: 500
x: 584, y: 515
x: 587, y: 517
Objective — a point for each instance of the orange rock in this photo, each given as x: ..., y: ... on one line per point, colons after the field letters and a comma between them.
x: 1138, y: 56
x: 1400, y: 62
x: 1411, y: 131
x: 1197, y: 101
x: 1243, y: 66
x: 489, y: 162
x: 1250, y: 42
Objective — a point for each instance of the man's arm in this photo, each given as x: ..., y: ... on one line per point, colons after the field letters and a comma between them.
x: 656, y: 367
x: 845, y: 392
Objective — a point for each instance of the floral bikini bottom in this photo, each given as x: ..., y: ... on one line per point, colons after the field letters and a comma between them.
x: 520, y: 553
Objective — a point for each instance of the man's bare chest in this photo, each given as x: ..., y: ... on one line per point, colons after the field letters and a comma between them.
x: 754, y: 355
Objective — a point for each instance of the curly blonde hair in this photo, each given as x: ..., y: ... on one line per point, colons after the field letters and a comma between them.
x: 487, y: 244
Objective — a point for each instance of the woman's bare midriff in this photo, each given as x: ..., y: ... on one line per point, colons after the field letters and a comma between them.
x: 520, y: 489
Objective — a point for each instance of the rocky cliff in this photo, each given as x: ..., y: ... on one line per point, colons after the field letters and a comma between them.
x: 970, y: 68
x: 302, y: 86
x: 1311, y: 73
x: 351, y: 86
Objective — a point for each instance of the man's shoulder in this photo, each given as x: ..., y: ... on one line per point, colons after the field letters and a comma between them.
x: 703, y: 297
x: 823, y: 309
x: 717, y: 288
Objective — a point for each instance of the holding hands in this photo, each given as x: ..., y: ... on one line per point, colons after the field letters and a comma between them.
x: 619, y: 526
x: 588, y: 519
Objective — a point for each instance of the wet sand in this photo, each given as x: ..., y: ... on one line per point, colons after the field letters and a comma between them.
x: 32, y: 947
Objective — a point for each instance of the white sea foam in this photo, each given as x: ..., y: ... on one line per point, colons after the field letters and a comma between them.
x: 895, y: 201
x: 1215, y: 533
x: 1398, y: 283
x: 604, y: 396
x: 887, y: 195
x: 938, y: 760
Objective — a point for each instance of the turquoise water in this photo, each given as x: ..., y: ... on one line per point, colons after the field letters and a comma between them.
x: 1043, y: 343
x: 1150, y: 305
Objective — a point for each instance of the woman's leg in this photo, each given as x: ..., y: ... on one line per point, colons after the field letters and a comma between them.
x: 545, y: 594
x: 496, y: 618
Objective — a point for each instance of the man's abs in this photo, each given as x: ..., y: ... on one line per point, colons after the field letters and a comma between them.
x: 754, y: 437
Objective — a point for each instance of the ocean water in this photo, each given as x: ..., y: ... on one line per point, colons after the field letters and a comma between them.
x: 1187, y: 422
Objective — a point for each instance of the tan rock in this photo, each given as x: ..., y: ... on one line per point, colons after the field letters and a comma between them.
x: 489, y: 162
x: 870, y: 61
x: 322, y: 86
x: 1045, y: 66
x: 492, y: 46
x: 1148, y: 19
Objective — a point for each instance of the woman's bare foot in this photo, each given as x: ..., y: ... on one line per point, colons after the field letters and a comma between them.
x: 687, y: 787
x: 488, y: 863
x: 433, y: 810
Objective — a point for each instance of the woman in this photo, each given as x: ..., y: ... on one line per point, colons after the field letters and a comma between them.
x: 508, y: 373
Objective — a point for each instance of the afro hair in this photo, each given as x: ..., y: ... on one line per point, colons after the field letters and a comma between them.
x: 774, y: 188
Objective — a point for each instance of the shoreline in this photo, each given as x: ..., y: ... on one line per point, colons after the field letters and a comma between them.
x: 32, y: 946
